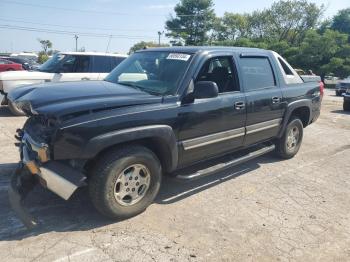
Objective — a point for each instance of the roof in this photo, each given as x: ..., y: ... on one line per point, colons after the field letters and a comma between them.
x: 196, y: 49
x: 93, y: 53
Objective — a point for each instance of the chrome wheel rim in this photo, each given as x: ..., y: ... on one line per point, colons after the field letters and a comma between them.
x: 132, y: 184
x: 293, y: 138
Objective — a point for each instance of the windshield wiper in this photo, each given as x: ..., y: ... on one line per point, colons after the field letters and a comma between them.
x: 131, y: 84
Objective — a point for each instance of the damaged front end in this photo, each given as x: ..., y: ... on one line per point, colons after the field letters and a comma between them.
x: 37, y: 165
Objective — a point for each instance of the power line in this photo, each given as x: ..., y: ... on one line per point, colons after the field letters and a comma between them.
x: 62, y: 32
x: 85, y: 11
x: 69, y: 26
x: 109, y: 29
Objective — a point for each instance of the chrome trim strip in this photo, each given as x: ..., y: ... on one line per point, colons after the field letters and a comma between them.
x: 263, y: 126
x: 213, y: 138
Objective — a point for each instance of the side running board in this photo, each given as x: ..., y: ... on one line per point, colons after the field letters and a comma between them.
x: 224, y: 165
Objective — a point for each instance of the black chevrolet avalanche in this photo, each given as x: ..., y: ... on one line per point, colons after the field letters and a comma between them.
x: 160, y: 112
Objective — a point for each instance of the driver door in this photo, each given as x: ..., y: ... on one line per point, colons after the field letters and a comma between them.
x: 213, y: 126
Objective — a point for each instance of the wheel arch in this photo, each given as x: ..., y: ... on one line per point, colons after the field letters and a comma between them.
x: 300, y: 109
x: 160, y: 139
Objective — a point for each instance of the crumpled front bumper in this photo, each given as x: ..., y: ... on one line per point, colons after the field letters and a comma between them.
x: 56, y: 176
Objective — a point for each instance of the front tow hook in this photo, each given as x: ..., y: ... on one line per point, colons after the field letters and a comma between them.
x: 22, y: 182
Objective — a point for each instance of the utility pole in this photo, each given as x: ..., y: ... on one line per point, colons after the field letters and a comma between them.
x: 159, y: 35
x: 76, y: 43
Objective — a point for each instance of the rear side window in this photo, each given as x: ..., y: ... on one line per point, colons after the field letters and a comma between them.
x: 101, y: 64
x: 285, y: 68
x: 82, y: 64
x: 257, y: 73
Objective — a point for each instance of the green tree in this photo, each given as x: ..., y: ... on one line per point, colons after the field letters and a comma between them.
x: 45, y: 44
x: 341, y: 22
x: 291, y: 19
x: 143, y: 45
x: 42, y: 57
x: 231, y: 26
x: 323, y: 53
x: 193, y: 21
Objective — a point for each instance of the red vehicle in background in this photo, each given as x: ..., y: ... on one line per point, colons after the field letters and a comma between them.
x: 6, y: 65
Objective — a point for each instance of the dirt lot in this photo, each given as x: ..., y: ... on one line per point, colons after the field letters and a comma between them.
x: 265, y: 210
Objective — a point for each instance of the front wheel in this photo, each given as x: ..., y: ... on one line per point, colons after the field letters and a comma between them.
x: 125, y: 181
x: 15, y: 110
x: 289, y: 144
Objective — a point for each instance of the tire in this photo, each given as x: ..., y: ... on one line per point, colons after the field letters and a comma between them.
x: 286, y: 147
x: 346, y: 105
x: 10, y: 69
x: 14, y: 109
x: 337, y: 93
x: 111, y: 168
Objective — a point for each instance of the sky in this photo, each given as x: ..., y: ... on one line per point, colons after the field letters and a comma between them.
x: 95, y: 20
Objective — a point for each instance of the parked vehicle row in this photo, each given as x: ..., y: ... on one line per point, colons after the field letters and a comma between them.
x: 159, y: 112
x: 6, y: 65
x: 26, y: 64
x: 65, y: 66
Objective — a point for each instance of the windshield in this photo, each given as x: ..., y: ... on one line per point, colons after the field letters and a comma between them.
x: 56, y: 62
x: 153, y: 72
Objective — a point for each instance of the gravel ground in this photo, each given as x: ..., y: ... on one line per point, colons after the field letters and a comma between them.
x: 264, y: 210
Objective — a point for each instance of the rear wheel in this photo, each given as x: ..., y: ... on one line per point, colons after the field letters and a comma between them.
x: 15, y: 110
x: 125, y: 181
x: 289, y: 144
x: 346, y: 105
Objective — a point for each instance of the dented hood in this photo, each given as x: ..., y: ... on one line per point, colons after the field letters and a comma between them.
x: 63, y: 98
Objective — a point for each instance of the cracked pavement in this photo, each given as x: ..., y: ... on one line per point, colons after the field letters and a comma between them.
x: 264, y: 210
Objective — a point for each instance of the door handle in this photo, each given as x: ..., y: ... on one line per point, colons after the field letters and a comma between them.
x: 276, y: 100
x: 239, y: 105
x: 85, y: 78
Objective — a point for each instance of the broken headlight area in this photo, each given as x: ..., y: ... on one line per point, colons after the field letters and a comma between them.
x: 37, y: 165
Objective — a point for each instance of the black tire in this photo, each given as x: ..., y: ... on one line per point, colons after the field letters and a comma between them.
x: 106, y: 172
x: 15, y: 110
x: 346, y: 106
x: 337, y: 93
x: 282, y: 148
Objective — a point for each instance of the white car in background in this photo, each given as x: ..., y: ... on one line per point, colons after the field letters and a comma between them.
x: 63, y: 66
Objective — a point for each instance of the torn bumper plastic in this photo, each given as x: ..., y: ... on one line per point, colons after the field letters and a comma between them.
x: 61, y: 179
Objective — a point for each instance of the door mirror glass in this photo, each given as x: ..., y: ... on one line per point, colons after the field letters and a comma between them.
x: 205, y: 89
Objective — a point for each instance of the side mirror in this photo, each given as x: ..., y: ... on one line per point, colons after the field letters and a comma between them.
x: 205, y: 89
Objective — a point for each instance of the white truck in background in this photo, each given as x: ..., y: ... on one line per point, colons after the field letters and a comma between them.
x: 63, y: 66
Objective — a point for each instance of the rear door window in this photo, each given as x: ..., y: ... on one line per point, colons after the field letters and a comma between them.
x: 82, y: 64
x: 101, y: 64
x: 257, y: 73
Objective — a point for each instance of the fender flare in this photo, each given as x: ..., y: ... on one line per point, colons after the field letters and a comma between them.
x: 289, y: 110
x: 163, y: 134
